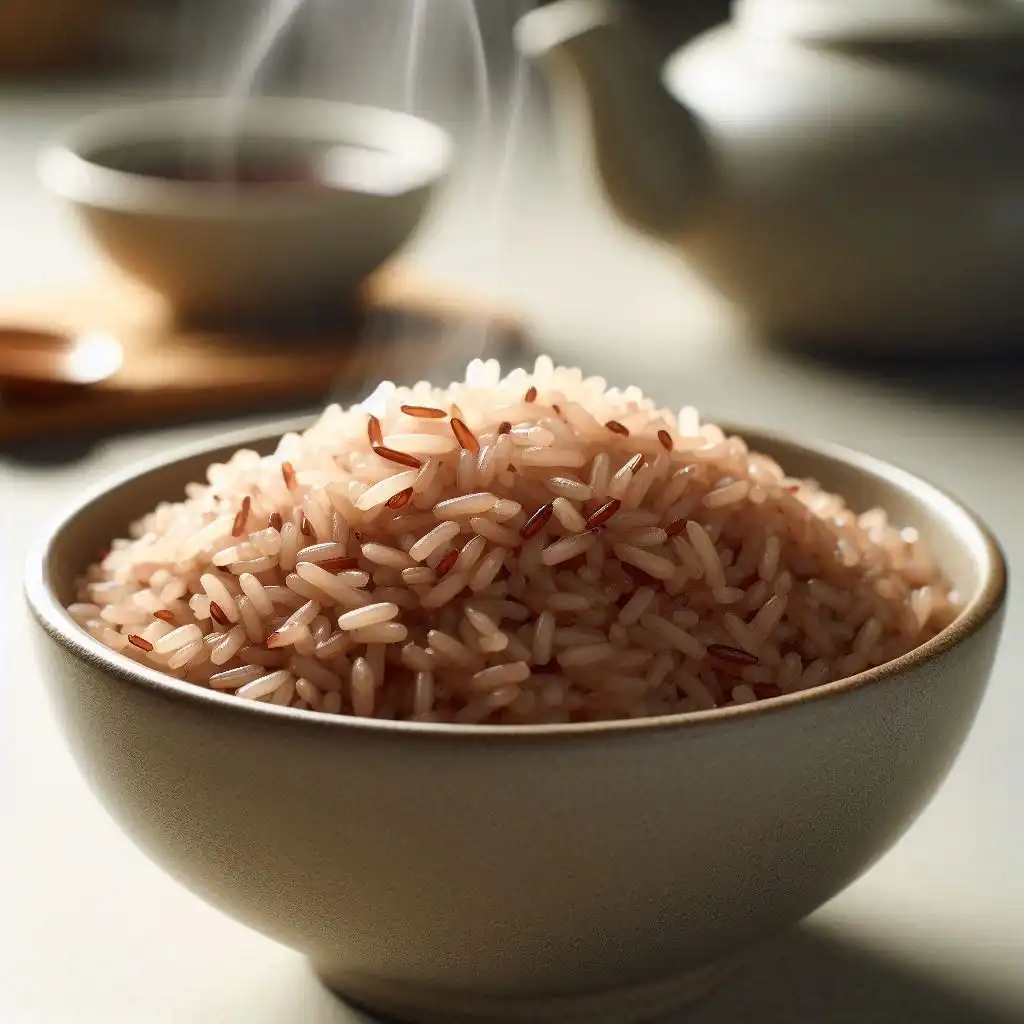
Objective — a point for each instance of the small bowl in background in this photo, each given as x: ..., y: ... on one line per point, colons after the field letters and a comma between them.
x: 561, y: 874
x: 233, y: 209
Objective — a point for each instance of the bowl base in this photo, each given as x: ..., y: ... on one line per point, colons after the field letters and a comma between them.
x: 639, y: 1004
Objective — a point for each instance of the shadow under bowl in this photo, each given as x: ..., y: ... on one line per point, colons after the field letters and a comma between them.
x: 564, y: 873
x: 229, y: 209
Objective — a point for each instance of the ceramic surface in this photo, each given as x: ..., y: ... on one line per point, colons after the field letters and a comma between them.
x: 579, y: 873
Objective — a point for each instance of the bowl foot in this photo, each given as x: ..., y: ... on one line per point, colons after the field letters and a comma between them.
x: 640, y: 1004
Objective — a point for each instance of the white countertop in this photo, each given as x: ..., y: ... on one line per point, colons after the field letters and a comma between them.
x: 93, y: 932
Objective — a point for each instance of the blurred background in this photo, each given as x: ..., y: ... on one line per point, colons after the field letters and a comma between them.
x: 61, y: 61
x: 869, y: 174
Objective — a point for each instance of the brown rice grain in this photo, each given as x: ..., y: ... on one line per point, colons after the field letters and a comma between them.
x: 235, y: 677
x: 430, y: 542
x: 424, y: 412
x: 465, y: 437
x: 500, y: 675
x: 659, y: 566
x: 264, y: 686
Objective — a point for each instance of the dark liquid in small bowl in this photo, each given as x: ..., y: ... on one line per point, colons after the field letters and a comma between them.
x: 260, y: 164
x: 262, y: 171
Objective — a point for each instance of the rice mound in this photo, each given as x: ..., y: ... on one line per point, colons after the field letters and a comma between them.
x: 533, y: 549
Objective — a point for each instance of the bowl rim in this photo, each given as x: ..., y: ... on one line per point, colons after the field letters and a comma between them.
x: 983, y: 606
x: 67, y: 168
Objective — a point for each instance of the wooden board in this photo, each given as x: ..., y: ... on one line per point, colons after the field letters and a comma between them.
x: 403, y: 327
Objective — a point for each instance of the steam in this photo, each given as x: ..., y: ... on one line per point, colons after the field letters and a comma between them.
x: 269, y: 33
x: 400, y: 54
x: 417, y: 37
x: 472, y: 336
x: 513, y: 132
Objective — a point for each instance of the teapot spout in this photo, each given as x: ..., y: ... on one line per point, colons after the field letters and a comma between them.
x: 652, y: 157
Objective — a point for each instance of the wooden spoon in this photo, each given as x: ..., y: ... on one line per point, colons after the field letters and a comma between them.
x: 40, y: 364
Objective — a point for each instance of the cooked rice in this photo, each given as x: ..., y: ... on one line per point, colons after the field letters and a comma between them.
x: 533, y: 549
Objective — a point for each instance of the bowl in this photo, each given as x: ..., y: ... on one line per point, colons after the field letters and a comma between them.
x: 234, y: 208
x: 561, y: 873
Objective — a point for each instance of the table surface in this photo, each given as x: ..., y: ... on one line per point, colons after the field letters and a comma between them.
x: 93, y: 932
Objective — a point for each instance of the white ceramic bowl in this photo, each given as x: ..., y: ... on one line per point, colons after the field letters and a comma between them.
x: 597, y: 873
x: 217, y: 247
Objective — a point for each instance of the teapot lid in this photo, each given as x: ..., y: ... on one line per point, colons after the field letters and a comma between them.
x: 883, y: 21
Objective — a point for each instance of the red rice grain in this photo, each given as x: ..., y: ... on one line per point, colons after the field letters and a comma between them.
x: 374, y: 432
x: 466, y: 438
x: 401, y: 499
x: 400, y: 457
x: 676, y: 527
x: 522, y: 581
x: 537, y: 521
x: 422, y: 412
x: 446, y: 564
x: 731, y: 654
x: 342, y: 564
x: 603, y: 514
x: 238, y: 527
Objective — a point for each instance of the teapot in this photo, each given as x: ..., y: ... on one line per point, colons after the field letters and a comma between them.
x: 847, y: 174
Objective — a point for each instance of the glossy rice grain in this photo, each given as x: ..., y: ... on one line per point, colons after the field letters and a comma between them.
x: 527, y: 550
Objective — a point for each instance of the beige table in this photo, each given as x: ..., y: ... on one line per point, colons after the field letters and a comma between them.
x: 93, y: 933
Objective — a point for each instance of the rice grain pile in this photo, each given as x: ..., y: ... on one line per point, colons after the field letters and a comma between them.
x: 533, y: 549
